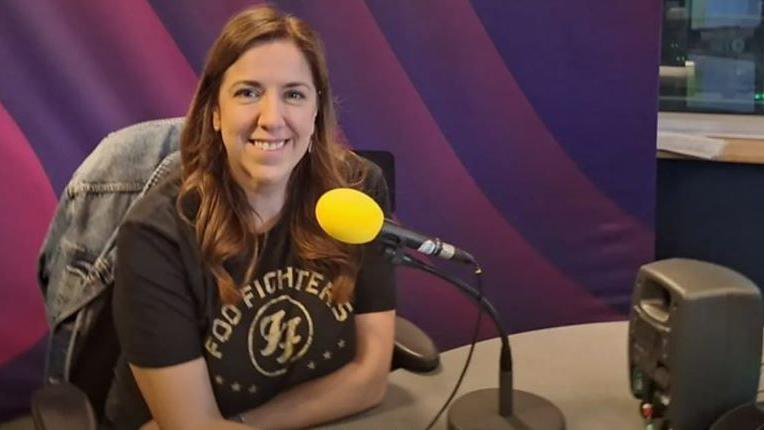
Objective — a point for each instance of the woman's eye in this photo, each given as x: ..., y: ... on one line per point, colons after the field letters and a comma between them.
x: 295, y: 95
x: 246, y: 93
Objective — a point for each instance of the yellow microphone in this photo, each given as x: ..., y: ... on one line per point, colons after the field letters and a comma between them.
x: 349, y: 215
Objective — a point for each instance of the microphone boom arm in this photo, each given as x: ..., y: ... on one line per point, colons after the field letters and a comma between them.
x: 398, y: 257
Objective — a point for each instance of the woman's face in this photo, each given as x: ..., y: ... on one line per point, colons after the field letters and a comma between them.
x: 266, y: 114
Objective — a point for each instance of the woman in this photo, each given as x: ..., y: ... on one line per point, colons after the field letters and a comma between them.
x: 230, y: 304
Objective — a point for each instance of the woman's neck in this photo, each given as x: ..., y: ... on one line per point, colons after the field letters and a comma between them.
x: 268, y: 203
x: 267, y: 199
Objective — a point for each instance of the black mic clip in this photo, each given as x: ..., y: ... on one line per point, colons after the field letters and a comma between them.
x: 393, y: 248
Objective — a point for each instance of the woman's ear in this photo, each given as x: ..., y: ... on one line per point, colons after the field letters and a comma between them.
x: 216, y: 119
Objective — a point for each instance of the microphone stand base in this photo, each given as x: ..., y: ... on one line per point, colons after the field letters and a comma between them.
x: 480, y: 410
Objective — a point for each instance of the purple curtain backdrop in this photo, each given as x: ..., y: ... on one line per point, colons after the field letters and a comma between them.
x: 523, y: 131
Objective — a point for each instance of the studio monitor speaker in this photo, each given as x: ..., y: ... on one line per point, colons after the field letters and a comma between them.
x: 695, y: 336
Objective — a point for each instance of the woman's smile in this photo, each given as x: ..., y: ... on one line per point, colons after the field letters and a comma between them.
x: 269, y: 145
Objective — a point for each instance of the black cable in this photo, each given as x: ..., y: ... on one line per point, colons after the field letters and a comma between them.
x: 479, y: 281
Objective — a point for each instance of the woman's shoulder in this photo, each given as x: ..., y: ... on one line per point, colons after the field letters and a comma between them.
x: 369, y: 176
x: 364, y: 169
x: 156, y: 210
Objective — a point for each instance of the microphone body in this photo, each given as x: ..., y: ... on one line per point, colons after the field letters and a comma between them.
x: 395, y: 234
x: 351, y: 216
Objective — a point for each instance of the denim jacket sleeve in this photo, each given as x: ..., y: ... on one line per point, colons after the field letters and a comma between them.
x: 75, y: 264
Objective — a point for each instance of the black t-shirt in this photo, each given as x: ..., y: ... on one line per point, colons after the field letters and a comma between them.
x: 284, y: 331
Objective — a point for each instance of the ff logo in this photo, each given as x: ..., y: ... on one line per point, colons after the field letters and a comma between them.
x: 286, y: 328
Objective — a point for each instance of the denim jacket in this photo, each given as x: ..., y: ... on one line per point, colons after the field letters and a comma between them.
x: 76, y: 263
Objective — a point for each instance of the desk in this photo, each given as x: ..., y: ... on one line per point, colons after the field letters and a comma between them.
x: 582, y: 369
x: 736, y: 150
x: 743, y: 134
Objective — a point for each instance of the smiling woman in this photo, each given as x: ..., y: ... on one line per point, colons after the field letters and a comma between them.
x: 271, y: 83
x: 229, y: 300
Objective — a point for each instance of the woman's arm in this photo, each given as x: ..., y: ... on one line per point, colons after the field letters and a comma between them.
x: 181, y: 397
x: 156, y: 321
x: 357, y: 386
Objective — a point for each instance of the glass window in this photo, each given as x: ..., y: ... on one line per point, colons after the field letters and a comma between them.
x: 712, y: 56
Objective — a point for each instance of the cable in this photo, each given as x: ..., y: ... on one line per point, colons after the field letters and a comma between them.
x: 479, y: 281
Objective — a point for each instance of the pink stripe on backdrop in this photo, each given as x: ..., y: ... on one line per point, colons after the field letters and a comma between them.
x: 140, y: 43
x: 28, y: 205
x: 403, y: 119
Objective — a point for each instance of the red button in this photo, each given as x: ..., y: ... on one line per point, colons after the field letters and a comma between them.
x: 647, y: 410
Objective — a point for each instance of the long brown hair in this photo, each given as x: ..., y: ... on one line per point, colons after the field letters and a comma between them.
x: 223, y: 222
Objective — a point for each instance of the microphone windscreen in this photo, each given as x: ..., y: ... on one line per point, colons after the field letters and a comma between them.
x: 349, y: 215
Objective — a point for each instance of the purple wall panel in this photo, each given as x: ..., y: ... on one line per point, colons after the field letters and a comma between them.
x: 20, y: 377
x: 583, y: 68
x: 523, y: 131
x: 485, y: 112
x: 194, y: 24
x: 82, y: 69
x: 28, y: 203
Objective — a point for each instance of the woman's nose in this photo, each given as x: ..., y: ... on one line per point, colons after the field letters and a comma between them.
x: 271, y: 112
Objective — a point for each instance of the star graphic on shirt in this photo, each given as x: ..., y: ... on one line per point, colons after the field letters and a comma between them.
x: 311, y: 365
x: 236, y: 387
x: 341, y: 343
x: 252, y: 389
x: 219, y: 379
x: 327, y: 355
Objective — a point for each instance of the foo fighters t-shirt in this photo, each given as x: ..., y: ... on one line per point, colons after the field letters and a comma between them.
x: 285, y: 330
